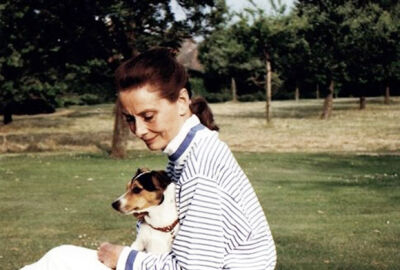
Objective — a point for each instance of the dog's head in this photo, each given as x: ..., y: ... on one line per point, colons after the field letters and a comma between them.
x: 142, y: 192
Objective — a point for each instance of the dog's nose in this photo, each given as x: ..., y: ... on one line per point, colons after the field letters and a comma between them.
x: 116, y: 205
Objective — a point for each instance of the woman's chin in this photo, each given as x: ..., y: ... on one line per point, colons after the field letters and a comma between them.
x: 154, y: 147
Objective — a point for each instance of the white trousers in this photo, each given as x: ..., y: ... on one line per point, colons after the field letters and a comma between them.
x: 68, y: 257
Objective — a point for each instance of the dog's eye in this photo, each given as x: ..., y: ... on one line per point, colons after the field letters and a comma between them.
x: 136, y: 190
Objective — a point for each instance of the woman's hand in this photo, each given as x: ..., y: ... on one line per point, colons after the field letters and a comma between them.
x: 108, y: 254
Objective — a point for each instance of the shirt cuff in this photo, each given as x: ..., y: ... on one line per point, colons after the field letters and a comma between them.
x: 126, y: 259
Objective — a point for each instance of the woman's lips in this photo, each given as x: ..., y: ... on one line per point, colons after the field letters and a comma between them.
x: 149, y: 141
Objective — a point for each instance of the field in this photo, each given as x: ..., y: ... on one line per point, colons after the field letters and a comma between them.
x: 330, y: 190
x: 295, y: 127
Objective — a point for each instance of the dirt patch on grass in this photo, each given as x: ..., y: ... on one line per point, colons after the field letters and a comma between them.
x: 295, y: 127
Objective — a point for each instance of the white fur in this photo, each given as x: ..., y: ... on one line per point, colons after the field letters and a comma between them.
x: 163, y: 215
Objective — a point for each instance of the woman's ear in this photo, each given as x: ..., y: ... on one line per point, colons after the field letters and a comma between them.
x: 183, y: 102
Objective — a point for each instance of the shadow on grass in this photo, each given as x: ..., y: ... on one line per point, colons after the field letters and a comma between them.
x: 100, y: 110
x: 363, y: 181
x: 321, y: 171
x: 86, y: 114
x: 37, y: 123
x: 300, y: 111
x: 297, y: 113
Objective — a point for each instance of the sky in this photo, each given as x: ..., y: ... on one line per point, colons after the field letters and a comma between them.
x: 238, y: 5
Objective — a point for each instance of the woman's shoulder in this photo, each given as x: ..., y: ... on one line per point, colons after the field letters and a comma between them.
x: 208, y: 144
x: 210, y: 154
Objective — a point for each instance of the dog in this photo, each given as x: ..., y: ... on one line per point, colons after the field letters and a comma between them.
x: 150, y: 196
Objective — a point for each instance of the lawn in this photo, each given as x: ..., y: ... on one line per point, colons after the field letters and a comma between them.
x: 326, y: 211
x: 330, y: 189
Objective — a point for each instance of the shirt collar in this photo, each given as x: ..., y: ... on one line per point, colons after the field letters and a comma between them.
x: 177, y: 146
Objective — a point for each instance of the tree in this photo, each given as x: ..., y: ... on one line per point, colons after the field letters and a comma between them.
x: 389, y: 53
x: 225, y: 55
x: 251, y: 48
x: 52, y: 49
x: 370, y: 49
x: 354, y: 46
x: 271, y: 37
x: 325, y: 37
x: 143, y: 24
x: 294, y: 55
x: 49, y: 50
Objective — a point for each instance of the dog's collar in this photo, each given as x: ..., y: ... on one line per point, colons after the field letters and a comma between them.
x: 140, y: 216
x: 167, y: 228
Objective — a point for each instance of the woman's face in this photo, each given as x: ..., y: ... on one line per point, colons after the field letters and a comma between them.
x: 153, y: 119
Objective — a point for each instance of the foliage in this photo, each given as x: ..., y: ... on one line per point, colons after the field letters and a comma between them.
x: 325, y: 36
x: 241, y: 49
x: 372, y: 40
x: 197, y: 86
x: 225, y: 56
x: 238, y: 51
x: 50, y: 49
x: 353, y: 43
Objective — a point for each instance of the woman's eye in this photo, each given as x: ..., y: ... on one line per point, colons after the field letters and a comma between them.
x: 148, y: 117
x: 130, y: 119
x: 136, y: 190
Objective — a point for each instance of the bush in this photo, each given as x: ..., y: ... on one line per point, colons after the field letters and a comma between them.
x: 90, y: 99
x: 218, y: 97
x: 197, y: 87
x: 67, y: 101
x: 85, y: 99
x: 258, y: 96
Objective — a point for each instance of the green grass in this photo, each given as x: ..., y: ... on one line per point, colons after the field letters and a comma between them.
x: 326, y: 211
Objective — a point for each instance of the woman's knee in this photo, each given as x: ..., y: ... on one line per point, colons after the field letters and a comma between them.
x: 60, y: 252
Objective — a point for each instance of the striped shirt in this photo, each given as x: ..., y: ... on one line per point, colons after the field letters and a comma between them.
x: 222, y: 224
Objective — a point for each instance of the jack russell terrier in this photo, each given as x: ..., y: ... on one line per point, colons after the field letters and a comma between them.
x: 150, y: 196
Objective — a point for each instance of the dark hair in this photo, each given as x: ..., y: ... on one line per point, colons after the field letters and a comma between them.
x: 158, y: 67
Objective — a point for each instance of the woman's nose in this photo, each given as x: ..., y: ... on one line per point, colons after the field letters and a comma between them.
x: 140, y: 129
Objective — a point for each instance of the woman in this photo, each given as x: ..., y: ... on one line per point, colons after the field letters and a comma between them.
x: 222, y: 225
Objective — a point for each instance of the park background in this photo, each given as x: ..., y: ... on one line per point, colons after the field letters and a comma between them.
x: 305, y: 93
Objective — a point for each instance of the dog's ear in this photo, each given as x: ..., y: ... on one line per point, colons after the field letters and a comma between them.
x: 140, y: 170
x: 163, y: 178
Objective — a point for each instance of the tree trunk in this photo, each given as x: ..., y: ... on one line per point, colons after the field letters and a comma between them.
x: 327, y: 110
x: 120, y: 135
x: 268, y: 88
x: 297, y: 93
x: 317, y: 92
x: 363, y: 103
x: 387, y: 94
x: 234, y: 90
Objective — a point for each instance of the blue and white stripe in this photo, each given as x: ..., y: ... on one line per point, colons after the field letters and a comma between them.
x: 222, y: 224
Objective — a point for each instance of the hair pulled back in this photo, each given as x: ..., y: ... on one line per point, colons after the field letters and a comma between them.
x: 159, y: 68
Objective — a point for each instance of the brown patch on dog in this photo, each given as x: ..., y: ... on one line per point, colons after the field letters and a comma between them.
x: 141, y: 200
x: 144, y: 190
